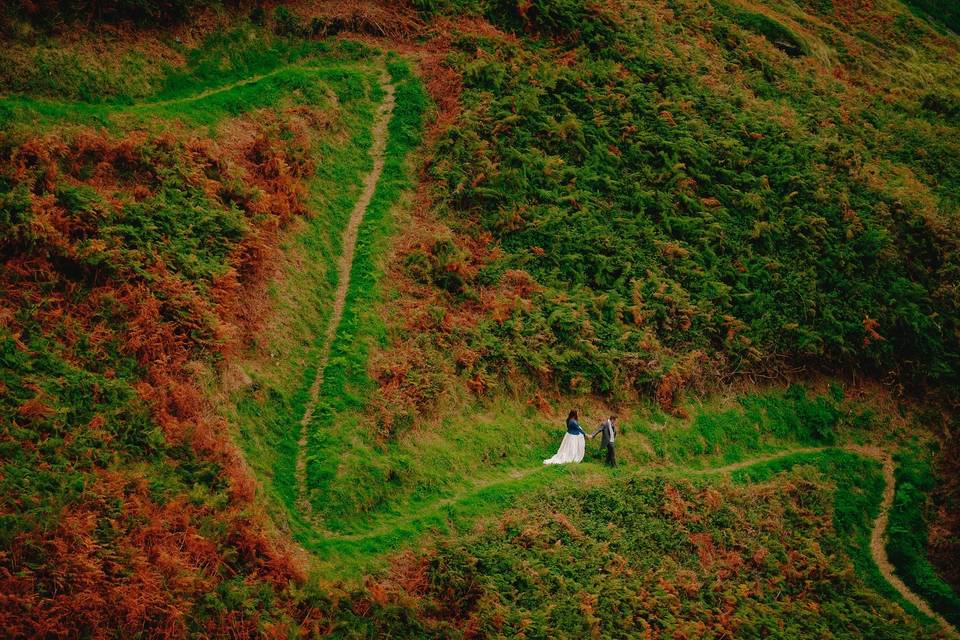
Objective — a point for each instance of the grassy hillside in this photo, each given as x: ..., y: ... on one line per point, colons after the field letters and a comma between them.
x: 650, y: 555
x: 647, y: 197
x: 131, y: 254
x: 640, y: 198
x: 733, y: 221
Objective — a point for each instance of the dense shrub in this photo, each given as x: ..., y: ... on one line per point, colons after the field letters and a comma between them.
x: 159, y: 12
x: 944, y: 103
x: 778, y: 34
x: 944, y: 516
x: 651, y: 557
x: 676, y: 227
x: 946, y: 12
x: 574, y: 21
x: 122, y: 261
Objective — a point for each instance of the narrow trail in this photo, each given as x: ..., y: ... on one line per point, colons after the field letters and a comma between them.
x: 749, y: 462
x: 224, y: 88
x: 877, y: 535
x: 878, y: 548
x: 344, y: 265
x: 206, y: 93
x: 147, y: 104
x: 878, y: 532
x: 386, y: 526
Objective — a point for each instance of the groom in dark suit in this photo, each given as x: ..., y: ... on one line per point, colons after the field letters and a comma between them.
x: 608, y: 429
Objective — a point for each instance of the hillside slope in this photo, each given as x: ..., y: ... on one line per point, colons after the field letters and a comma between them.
x: 295, y: 299
x: 139, y: 237
x: 645, y: 196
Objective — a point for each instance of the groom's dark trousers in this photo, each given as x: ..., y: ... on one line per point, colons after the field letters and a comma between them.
x: 611, y: 460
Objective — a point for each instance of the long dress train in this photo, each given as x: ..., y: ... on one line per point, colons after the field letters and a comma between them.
x: 571, y: 450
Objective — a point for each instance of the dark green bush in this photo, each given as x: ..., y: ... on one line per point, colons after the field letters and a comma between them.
x: 286, y: 22
x: 149, y: 12
x: 570, y: 21
x: 946, y: 12
x: 943, y: 103
x: 258, y: 16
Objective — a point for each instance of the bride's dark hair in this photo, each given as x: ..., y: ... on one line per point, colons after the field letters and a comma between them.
x: 573, y: 415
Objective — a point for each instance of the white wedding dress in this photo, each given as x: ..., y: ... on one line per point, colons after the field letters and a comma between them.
x: 571, y: 450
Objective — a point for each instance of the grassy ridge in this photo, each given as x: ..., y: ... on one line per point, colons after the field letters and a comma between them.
x: 760, y: 423
x: 206, y: 109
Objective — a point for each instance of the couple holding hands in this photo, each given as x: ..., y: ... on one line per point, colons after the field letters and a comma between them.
x: 574, y: 441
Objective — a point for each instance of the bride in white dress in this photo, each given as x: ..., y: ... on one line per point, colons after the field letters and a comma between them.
x: 572, y: 446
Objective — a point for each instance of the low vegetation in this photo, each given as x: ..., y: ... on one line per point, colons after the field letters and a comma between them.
x: 652, y: 555
x: 909, y: 534
x: 129, y: 259
x: 676, y: 200
x: 715, y: 217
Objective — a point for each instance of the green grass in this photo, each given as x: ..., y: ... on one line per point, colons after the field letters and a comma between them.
x: 127, y: 77
x: 758, y: 423
x: 267, y: 412
x: 232, y: 73
x: 938, y: 11
x: 300, y: 84
x: 352, y: 555
x: 346, y: 384
x: 443, y: 477
x: 778, y: 34
x: 908, y: 531
x: 653, y: 552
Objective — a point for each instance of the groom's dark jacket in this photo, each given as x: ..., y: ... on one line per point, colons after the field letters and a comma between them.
x: 609, y: 431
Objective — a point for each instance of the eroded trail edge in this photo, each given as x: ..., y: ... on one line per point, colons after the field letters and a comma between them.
x: 344, y: 265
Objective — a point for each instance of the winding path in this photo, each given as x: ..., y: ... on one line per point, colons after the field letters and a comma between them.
x: 434, y: 507
x: 212, y: 91
x: 878, y: 533
x: 230, y: 86
x: 344, y: 265
x: 877, y: 536
x: 878, y: 548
